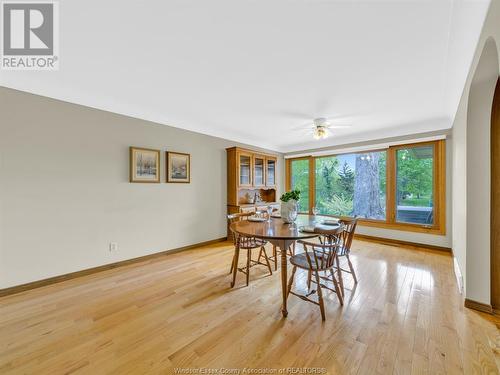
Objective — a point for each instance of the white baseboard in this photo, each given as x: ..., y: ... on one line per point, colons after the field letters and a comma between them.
x: 458, y: 275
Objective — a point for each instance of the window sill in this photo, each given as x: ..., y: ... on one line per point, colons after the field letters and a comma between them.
x: 407, y: 227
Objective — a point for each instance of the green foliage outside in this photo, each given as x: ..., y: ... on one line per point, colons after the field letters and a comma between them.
x: 415, y: 176
x: 415, y: 202
x: 335, y: 183
x: 338, y: 205
x: 300, y: 181
x: 334, y: 186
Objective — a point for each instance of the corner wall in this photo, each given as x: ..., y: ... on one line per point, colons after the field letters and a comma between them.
x: 471, y: 172
x: 65, y: 195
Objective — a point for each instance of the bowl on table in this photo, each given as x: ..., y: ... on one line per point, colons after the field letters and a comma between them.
x: 257, y: 219
x: 332, y: 221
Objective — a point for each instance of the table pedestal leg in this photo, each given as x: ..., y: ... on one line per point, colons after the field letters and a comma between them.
x: 283, y: 245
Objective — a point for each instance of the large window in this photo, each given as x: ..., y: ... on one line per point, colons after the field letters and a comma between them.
x: 414, y: 185
x: 352, y: 185
x: 401, y: 187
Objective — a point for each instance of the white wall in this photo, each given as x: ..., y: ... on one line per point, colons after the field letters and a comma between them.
x: 471, y: 167
x: 65, y: 195
x: 479, y: 194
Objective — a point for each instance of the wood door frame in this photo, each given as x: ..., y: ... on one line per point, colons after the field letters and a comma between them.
x: 495, y: 201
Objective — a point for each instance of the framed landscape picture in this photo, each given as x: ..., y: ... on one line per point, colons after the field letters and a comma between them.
x: 178, y: 167
x: 144, y: 165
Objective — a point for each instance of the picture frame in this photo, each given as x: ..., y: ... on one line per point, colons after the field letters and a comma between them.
x: 145, y: 165
x: 178, y: 167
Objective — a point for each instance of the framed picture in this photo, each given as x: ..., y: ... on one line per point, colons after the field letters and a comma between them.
x: 144, y: 165
x: 178, y: 167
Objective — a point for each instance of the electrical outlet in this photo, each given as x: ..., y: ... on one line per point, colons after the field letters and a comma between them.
x: 113, y: 246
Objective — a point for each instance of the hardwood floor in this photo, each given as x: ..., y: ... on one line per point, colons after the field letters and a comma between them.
x: 177, y: 311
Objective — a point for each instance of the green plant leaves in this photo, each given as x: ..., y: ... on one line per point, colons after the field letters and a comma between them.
x: 294, y: 194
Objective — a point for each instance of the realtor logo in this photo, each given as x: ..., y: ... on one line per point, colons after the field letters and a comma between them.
x: 30, y: 35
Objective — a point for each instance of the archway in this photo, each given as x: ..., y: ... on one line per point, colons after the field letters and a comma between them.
x: 480, y: 268
x: 495, y: 200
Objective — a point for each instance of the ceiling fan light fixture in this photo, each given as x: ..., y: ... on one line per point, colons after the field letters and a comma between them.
x: 320, y: 132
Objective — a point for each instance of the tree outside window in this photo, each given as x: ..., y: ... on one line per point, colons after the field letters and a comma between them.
x: 352, y: 185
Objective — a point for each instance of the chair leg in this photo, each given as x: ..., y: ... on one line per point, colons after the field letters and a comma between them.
x: 339, y: 270
x: 249, y: 257
x: 260, y: 254
x: 232, y: 264
x: 320, y: 296
x: 275, y: 257
x: 290, y: 281
x: 267, y: 260
x: 235, y: 264
x: 337, y: 289
x: 351, y: 268
x: 309, y: 279
x: 291, y: 249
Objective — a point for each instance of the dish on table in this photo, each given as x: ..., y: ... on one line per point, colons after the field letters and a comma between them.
x: 330, y: 222
x: 307, y: 229
x: 256, y: 219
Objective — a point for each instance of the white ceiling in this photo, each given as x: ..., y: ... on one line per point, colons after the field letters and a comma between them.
x: 256, y: 70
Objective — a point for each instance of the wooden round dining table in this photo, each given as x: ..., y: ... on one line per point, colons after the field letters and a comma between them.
x: 280, y: 234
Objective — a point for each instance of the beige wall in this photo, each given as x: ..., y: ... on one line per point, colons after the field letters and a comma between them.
x: 471, y: 168
x: 65, y: 195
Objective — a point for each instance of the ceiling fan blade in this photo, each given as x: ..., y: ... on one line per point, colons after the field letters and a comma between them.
x: 296, y: 115
x: 339, y: 126
x: 347, y: 119
x: 309, y: 126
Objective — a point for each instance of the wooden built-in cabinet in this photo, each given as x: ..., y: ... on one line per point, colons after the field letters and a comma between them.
x: 250, y: 174
x: 271, y: 172
x: 259, y: 170
x: 245, y: 166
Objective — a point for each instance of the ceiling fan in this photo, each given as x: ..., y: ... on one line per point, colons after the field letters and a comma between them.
x: 321, y: 127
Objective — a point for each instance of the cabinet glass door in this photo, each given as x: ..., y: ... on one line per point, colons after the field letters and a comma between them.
x: 258, y: 171
x: 245, y: 168
x: 271, y: 172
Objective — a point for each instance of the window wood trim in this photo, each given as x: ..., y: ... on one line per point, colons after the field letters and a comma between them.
x: 439, y: 188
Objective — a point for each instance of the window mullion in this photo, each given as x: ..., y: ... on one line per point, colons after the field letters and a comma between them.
x: 312, y: 183
x: 391, y: 188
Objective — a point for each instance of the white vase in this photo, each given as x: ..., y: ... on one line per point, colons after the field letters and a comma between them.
x: 286, y: 207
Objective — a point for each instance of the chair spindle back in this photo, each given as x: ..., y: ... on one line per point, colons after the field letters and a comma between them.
x: 348, y: 234
x: 322, y: 256
x: 233, y: 218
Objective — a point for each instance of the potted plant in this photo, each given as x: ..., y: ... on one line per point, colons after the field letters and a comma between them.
x: 289, y: 202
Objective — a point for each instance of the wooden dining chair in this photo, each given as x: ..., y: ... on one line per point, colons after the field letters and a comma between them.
x: 319, y: 257
x: 246, y: 243
x: 345, y: 249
